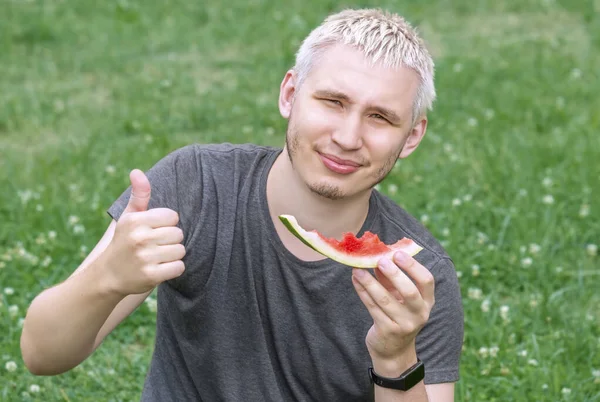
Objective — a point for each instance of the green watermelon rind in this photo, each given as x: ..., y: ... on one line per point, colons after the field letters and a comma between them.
x: 312, y: 240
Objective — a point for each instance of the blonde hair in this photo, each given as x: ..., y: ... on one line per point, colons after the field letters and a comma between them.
x: 384, y: 38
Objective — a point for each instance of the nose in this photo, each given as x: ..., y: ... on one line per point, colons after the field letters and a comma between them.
x: 349, y: 135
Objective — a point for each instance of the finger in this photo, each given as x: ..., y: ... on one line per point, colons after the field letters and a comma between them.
x: 408, y: 290
x: 168, y: 270
x: 421, y: 276
x: 166, y: 235
x: 378, y: 315
x: 140, y: 192
x: 387, y: 284
x: 159, y: 217
x: 168, y: 253
x: 383, y: 299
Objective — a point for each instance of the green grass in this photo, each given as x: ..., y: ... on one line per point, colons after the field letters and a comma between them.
x: 507, y: 176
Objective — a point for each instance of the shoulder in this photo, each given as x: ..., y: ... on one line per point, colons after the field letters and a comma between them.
x: 396, y: 222
x: 197, y: 158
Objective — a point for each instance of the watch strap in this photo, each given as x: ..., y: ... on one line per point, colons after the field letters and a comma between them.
x: 404, y: 382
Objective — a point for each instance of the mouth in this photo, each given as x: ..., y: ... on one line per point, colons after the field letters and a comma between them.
x: 338, y: 165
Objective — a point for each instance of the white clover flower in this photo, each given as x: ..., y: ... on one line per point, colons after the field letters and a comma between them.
x: 73, y: 187
x: 424, y: 218
x: 575, y: 73
x: 247, y: 129
x: 533, y: 303
x: 482, y: 238
x: 21, y: 322
x: 459, y: 274
x: 591, y: 249
x: 534, y: 248
x: 544, y: 386
x: 485, y: 305
x: 111, y: 371
x: 489, y: 114
x: 494, y: 351
x: 78, y: 229
x: 485, y: 371
x: 467, y: 197
x: 532, y: 362
x: 270, y: 131
x: 34, y: 388
x: 522, y: 192
x: 522, y: 353
x: 504, y: 312
x: 475, y: 270
x: 445, y: 232
x: 526, y: 262
x: 456, y: 202
x: 392, y: 189
x: 504, y: 370
x: 10, y: 366
x: 548, y: 199
x: 39, y: 207
x: 377, y: 187
x: 457, y: 68
x: 73, y: 219
x: 152, y: 304
x: 52, y: 235
x: 2, y: 264
x: 547, y: 182
x: 558, y: 270
x: 9, y: 291
x: 472, y: 122
x: 595, y: 373
x: 448, y: 147
x: 566, y: 391
x: 483, y: 351
x: 40, y: 240
x: 13, y: 310
x: 110, y: 169
x: 584, y: 210
x: 149, y: 138
x: 475, y: 293
x: 46, y: 261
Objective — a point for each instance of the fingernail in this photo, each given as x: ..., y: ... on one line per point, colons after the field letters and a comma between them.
x: 386, y: 265
x: 359, y: 273
x: 401, y: 258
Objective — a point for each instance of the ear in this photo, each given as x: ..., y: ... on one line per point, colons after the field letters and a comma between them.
x: 287, y: 91
x: 414, y: 138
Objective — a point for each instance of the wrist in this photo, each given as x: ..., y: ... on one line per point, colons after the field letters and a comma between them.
x: 395, y: 366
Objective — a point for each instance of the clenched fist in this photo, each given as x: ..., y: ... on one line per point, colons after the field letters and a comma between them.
x: 146, y: 247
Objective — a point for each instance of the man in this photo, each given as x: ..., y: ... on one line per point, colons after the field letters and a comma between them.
x: 247, y: 312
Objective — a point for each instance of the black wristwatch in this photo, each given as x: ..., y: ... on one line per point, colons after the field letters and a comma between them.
x: 406, y: 381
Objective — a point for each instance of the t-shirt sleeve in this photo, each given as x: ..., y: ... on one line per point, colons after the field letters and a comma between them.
x: 439, y: 344
x: 172, y: 181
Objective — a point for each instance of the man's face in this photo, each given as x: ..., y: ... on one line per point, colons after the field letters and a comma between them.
x: 349, y: 122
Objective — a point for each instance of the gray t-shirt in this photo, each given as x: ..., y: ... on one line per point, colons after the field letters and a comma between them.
x: 249, y: 321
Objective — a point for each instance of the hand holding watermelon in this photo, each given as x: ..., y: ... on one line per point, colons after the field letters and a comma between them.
x: 399, y: 306
x: 146, y: 248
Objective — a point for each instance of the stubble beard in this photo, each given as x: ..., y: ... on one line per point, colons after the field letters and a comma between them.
x: 325, y: 190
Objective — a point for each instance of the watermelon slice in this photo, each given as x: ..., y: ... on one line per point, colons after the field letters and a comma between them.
x: 363, y: 252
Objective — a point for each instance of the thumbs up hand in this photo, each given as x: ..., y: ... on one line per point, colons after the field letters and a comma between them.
x: 146, y: 247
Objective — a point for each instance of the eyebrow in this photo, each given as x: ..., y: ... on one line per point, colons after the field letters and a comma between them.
x: 384, y: 111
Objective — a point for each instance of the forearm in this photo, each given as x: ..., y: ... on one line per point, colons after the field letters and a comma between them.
x: 62, y: 323
x: 393, y: 369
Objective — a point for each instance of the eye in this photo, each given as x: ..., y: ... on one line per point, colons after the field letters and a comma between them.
x: 379, y: 117
x: 334, y: 101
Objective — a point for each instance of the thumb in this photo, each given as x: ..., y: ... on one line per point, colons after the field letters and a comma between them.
x: 140, y: 192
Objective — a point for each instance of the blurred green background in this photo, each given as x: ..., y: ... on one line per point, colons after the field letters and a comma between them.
x: 507, y: 175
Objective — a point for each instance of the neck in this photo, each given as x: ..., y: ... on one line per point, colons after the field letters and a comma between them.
x: 287, y: 194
